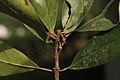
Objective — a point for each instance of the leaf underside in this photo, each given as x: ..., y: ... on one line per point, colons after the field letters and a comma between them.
x: 99, y: 50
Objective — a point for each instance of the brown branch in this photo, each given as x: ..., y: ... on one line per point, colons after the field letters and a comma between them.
x: 58, y: 49
x: 60, y: 39
x: 56, y: 68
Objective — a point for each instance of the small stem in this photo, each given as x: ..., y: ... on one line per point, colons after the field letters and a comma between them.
x: 60, y: 40
x: 63, y: 69
x: 44, y: 69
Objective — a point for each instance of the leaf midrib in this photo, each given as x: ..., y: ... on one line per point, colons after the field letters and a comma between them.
x: 18, y: 65
x: 48, y: 15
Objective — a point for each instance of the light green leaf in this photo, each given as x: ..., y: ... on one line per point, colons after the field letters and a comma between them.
x: 33, y: 32
x: 24, y: 13
x: 74, y: 11
x: 19, y: 10
x: 47, y: 11
x: 99, y: 23
x: 13, y: 61
x: 99, y: 50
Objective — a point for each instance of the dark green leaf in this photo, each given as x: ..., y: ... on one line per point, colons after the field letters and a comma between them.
x: 99, y: 50
x: 99, y: 23
x: 13, y: 61
x: 74, y: 12
x: 34, y: 32
x: 47, y: 11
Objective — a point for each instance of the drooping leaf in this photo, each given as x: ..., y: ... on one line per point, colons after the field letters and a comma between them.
x: 47, y: 11
x: 74, y: 11
x: 33, y: 32
x: 99, y: 50
x: 13, y: 61
x: 99, y: 23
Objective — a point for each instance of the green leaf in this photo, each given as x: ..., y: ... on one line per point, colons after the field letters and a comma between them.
x: 74, y: 11
x: 33, y: 32
x: 99, y: 23
x: 13, y: 61
x: 24, y: 13
x: 47, y: 11
x: 19, y: 10
x: 99, y: 50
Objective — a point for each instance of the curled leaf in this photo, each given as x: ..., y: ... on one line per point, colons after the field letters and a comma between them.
x: 74, y: 11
